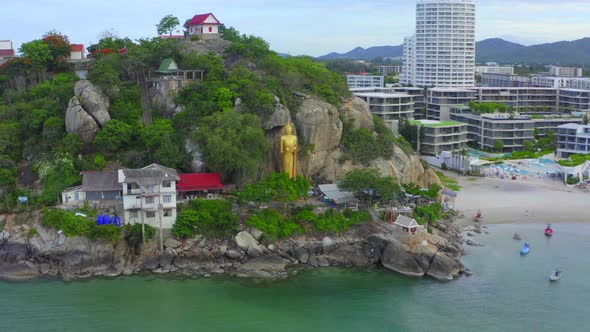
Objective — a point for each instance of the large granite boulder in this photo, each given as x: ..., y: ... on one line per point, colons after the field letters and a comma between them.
x: 87, y: 111
x: 394, y: 256
x: 248, y: 243
x: 357, y: 111
x: 318, y: 124
x: 264, y: 267
x: 94, y: 101
x: 444, y: 268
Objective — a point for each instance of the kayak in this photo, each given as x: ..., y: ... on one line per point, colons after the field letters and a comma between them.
x: 525, y: 249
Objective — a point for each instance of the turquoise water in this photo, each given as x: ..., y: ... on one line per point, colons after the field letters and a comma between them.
x: 507, y: 293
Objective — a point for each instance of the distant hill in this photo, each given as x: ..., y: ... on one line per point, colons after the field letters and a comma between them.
x: 575, y: 52
x: 366, y: 54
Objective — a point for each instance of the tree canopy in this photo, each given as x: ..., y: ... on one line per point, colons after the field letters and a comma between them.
x: 167, y: 24
x: 370, y: 187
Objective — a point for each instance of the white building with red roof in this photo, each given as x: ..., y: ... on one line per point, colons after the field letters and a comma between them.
x: 77, y: 52
x: 6, y: 51
x: 205, y: 25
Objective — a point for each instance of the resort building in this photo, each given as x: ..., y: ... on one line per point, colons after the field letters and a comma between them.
x: 573, y: 139
x: 505, y: 80
x: 389, y: 106
x: 551, y: 82
x: 440, y: 100
x: 486, y: 131
x: 565, y: 71
x: 551, y: 122
x: 505, y: 70
x: 6, y: 51
x: 574, y: 100
x: 149, y: 195
x: 521, y: 99
x: 388, y: 70
x: 98, y: 189
x: 200, y: 185
x: 407, y: 225
x: 204, y: 25
x: 77, y: 52
x: 580, y: 83
x: 365, y: 81
x: 434, y: 137
x: 442, y: 51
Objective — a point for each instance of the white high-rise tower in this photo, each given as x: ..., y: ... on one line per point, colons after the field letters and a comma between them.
x: 442, y: 52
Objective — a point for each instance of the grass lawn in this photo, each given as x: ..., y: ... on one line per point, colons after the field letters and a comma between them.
x: 449, y: 182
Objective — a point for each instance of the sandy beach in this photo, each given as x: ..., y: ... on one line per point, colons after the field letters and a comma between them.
x: 509, y: 202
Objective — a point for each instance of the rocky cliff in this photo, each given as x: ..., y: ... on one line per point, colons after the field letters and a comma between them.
x: 320, y: 128
x: 50, y: 253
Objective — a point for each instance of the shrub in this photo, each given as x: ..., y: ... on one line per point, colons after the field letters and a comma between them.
x: 211, y: 218
x: 273, y: 226
x: 73, y: 225
x: 133, y: 235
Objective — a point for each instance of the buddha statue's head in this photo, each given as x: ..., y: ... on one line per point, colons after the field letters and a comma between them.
x: 289, y: 128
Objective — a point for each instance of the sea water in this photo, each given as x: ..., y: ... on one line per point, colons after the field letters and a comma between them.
x: 507, y: 292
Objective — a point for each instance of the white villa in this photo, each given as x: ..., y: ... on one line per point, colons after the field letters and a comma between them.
x: 204, y: 25
x: 149, y: 195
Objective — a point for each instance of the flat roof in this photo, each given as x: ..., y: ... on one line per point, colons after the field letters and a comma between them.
x: 573, y: 126
x: 382, y: 94
x: 450, y: 89
x: 435, y: 123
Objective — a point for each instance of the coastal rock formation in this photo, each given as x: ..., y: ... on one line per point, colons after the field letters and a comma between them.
x: 357, y: 111
x: 394, y: 256
x: 279, y: 118
x: 87, y: 111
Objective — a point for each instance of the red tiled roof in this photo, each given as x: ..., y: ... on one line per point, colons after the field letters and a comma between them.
x: 6, y: 52
x: 200, y: 19
x: 199, y: 182
x: 77, y: 48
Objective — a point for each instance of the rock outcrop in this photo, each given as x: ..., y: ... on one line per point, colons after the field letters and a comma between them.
x: 87, y: 111
x: 356, y: 111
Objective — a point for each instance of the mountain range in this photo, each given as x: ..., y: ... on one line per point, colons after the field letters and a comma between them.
x: 575, y: 52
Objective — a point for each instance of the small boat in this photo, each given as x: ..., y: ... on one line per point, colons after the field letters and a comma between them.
x: 555, y: 276
x: 548, y: 230
x: 525, y: 249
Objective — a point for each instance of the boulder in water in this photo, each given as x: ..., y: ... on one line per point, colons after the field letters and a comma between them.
x: 517, y: 237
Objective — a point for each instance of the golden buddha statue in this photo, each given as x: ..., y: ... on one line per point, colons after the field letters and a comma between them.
x: 289, y: 151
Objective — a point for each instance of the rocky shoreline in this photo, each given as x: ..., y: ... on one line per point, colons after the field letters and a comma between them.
x: 50, y: 254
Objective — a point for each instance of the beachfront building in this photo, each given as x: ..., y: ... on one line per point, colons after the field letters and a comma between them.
x: 520, y: 99
x: 573, y: 139
x: 440, y: 100
x: 364, y: 81
x: 551, y: 82
x: 551, y: 122
x: 442, y: 51
x: 149, y: 195
x: 391, y: 107
x: 505, y: 80
x: 488, y: 131
x: 98, y: 189
x: 434, y: 137
x: 205, y: 26
x: 580, y: 83
x: 419, y: 95
x: 506, y: 70
x: 565, y: 71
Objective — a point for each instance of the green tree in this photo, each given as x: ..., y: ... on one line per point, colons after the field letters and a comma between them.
x: 499, y: 145
x: 233, y: 143
x: 369, y: 186
x: 230, y: 34
x: 38, y: 53
x: 167, y: 24
x: 114, y: 136
x: 59, y: 45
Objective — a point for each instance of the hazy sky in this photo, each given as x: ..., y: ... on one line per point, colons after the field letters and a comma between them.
x: 313, y: 27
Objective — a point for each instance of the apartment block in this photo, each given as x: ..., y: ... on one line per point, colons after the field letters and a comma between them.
x: 574, y: 100
x: 440, y: 100
x: 565, y: 71
x: 580, y: 83
x: 546, y: 123
x: 388, y: 70
x: 442, y: 51
x: 365, y: 81
x: 485, y: 130
x: 573, y: 139
x: 505, y: 70
x: 551, y: 82
x: 389, y: 106
x: 521, y: 99
x: 505, y: 80
x: 439, y: 136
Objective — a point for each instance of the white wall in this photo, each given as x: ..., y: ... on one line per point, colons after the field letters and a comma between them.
x: 5, y: 45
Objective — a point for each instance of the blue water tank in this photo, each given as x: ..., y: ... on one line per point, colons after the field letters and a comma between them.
x: 118, y: 221
x: 98, y: 220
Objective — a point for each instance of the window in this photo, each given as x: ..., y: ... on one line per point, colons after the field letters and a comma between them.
x: 150, y: 215
x: 168, y: 213
x: 167, y: 184
x: 133, y: 215
x: 167, y: 198
x: 210, y: 29
x: 149, y: 200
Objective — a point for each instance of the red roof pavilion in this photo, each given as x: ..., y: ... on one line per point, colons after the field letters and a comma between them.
x: 200, y: 182
x: 200, y: 19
